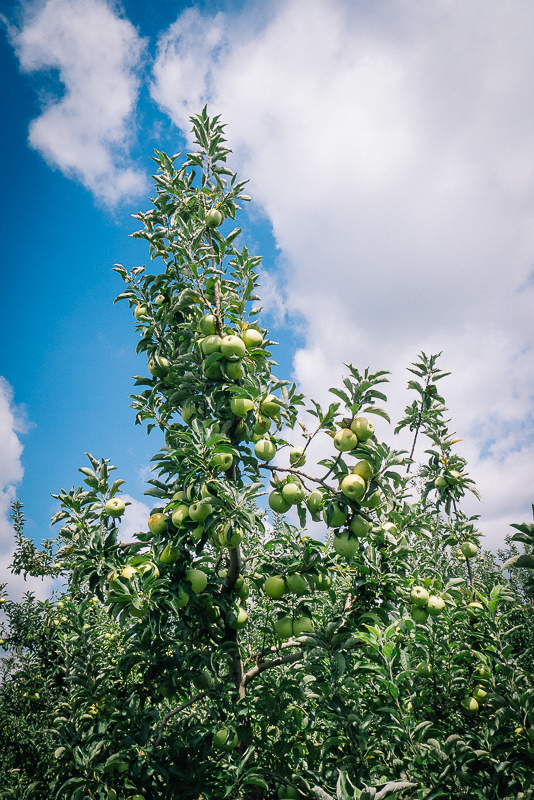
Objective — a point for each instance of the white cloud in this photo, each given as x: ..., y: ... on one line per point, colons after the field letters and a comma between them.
x: 86, y: 131
x: 135, y: 518
x: 392, y: 148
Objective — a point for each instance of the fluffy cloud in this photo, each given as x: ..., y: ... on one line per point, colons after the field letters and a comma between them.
x: 12, y: 423
x: 86, y: 131
x: 392, y: 149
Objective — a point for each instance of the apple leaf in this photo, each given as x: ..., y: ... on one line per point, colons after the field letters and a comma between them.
x: 525, y: 560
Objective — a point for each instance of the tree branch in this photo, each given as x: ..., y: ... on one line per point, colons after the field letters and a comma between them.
x: 168, y: 716
x: 265, y: 665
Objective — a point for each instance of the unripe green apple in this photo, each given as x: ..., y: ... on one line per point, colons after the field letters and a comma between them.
x: 344, y: 545
x: 189, y: 410
x: 479, y: 693
x: 314, y: 501
x: 284, y: 628
x: 197, y: 579
x: 278, y: 503
x: 159, y: 300
x: 115, y: 507
x: 211, y: 344
x: 419, y: 614
x: 469, y: 706
x: 270, y: 406
x: 359, y: 526
x: 140, y: 312
x: 296, y: 584
x: 182, y: 599
x: 232, y: 347
x: 262, y: 425
x: 233, y: 370
x: 213, y: 218
x: 293, y: 493
x: 158, y: 367
x: 424, y: 669
x: 238, y: 619
x: 469, y: 550
x: 288, y: 793
x: 353, y: 487
x: 225, y: 739
x: 323, y: 582
x: 364, y: 469
x: 338, y: 516
x: 372, y: 499
x: 419, y: 596
x: 240, y: 406
x: 453, y: 476
x: 235, y: 539
x: 244, y: 592
x: 440, y: 482
x: 157, y: 523
x: 252, y: 338
x: 302, y: 624
x: 239, y: 582
x: 170, y: 555
x: 179, y: 495
x: 214, y: 371
x: 297, y: 457
x: 345, y: 440
x: 274, y: 587
x: 207, y: 325
x: 200, y: 511
x: 222, y: 461
x: 179, y: 514
x: 265, y: 450
x: 363, y: 428
x: 435, y: 605
x: 128, y: 572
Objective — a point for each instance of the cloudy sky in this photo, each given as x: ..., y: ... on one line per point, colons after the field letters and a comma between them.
x: 390, y: 150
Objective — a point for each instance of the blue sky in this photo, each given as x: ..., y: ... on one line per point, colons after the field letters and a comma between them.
x: 390, y: 148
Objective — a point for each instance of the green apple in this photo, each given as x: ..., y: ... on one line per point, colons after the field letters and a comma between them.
x: 278, y: 503
x: 419, y: 614
x: 222, y: 461
x: 469, y: 706
x: 359, y: 526
x: 239, y: 583
x: 364, y: 469
x: 338, y: 516
x: 244, y: 592
x: 112, y: 794
x: 213, y: 218
x: 200, y: 511
x: 373, y: 498
x: 440, y: 482
x: 262, y: 425
x: 238, y: 619
x: 274, y: 587
x: 157, y: 523
x: 293, y: 493
x: 233, y: 370
x: 345, y: 440
x: 297, y: 457
x: 240, y: 406
x: 345, y: 545
x: 419, y: 596
x: 211, y: 344
x: 362, y: 428
x: 252, y: 338
x: 179, y: 495
x: 232, y: 347
x: 314, y: 501
x: 323, y: 582
x: 158, y: 366
x: 115, y: 507
x: 424, y: 669
x: 482, y: 673
x: 140, y: 312
x: 235, y: 539
x: 197, y: 579
x: 435, y: 605
x: 469, y: 550
x: 189, y: 411
x: 170, y: 555
x: 453, y: 476
x: 288, y: 793
x: 208, y: 325
x: 214, y: 371
x: 302, y: 624
x: 284, y: 628
x: 353, y: 487
x: 159, y: 300
x: 296, y: 584
x: 182, y: 599
x: 270, y: 406
x: 128, y: 572
x: 225, y: 739
x: 479, y: 693
x: 265, y: 449
x: 179, y: 514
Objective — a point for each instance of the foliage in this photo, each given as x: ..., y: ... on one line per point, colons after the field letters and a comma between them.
x: 168, y: 668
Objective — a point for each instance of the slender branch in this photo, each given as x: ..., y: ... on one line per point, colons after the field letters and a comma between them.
x: 336, y: 462
x: 171, y: 714
x: 265, y: 665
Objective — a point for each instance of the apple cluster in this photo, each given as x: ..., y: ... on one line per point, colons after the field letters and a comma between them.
x: 424, y: 604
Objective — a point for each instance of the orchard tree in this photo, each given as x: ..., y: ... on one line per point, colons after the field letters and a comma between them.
x: 224, y: 652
